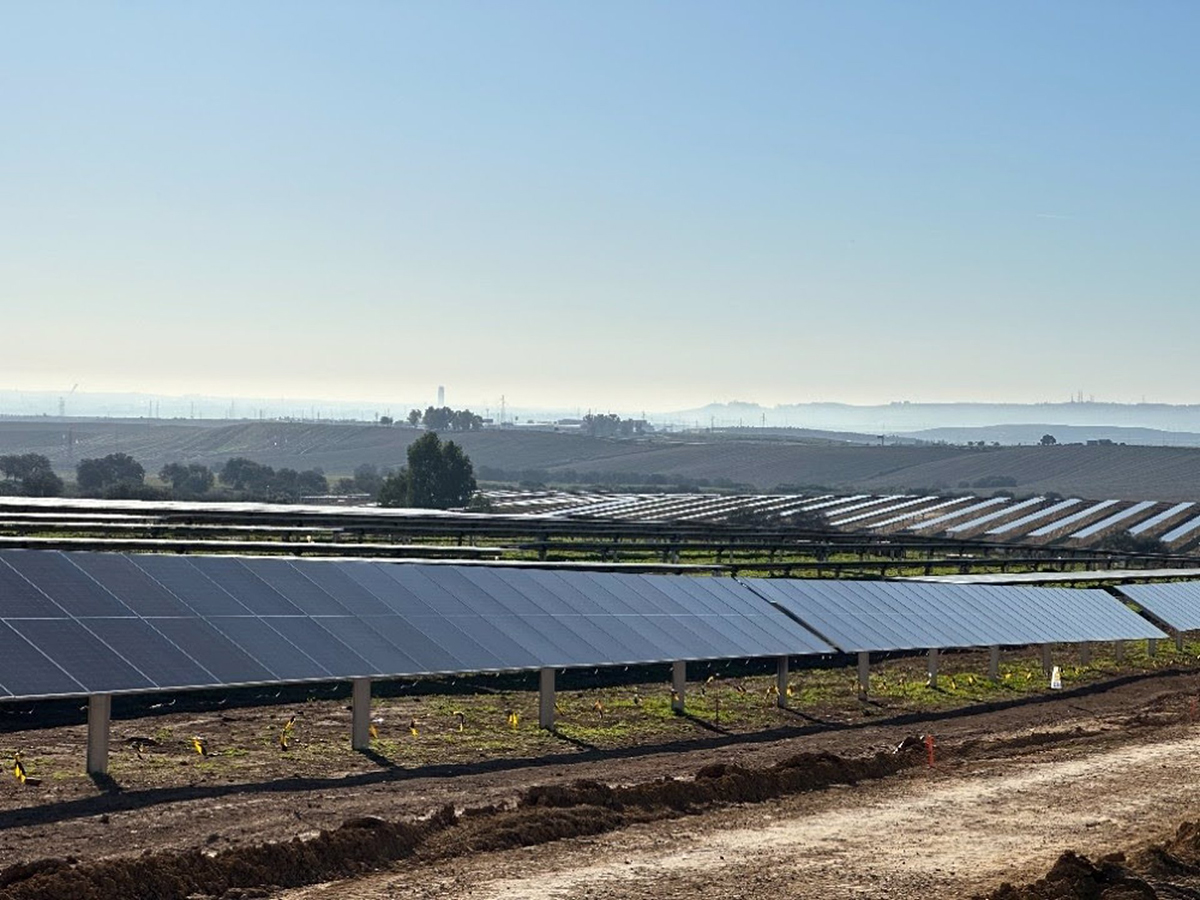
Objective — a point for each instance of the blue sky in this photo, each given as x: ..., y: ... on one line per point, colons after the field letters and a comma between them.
x: 615, y: 205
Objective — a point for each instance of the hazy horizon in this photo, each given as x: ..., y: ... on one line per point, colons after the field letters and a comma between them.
x: 622, y: 206
x: 899, y: 416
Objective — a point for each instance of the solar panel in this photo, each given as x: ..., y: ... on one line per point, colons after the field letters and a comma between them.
x: 178, y: 576
x: 836, y: 501
x: 65, y: 583
x: 19, y: 599
x: 314, y: 641
x: 268, y: 647
x: 225, y: 659
x: 27, y: 672
x: 434, y: 652
x: 141, y: 593
x: 713, y: 622
x: 1174, y: 603
x: 922, y: 511
x: 382, y: 656
x: 877, y: 616
x: 628, y: 638
x: 141, y: 623
x: 882, y: 511
x: 1070, y: 615
x: 1036, y: 516
x: 993, y: 516
x: 680, y: 637
x: 232, y: 576
x: 854, y: 507
x: 81, y: 654
x: 1115, y: 519
x: 1160, y: 518
x: 557, y: 633
x: 1060, y: 524
x: 1181, y: 531
x: 137, y: 641
x: 349, y: 593
x: 730, y: 618
x: 420, y: 598
x: 624, y: 618
x: 957, y: 514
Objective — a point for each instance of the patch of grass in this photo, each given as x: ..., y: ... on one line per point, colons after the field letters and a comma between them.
x: 592, y: 710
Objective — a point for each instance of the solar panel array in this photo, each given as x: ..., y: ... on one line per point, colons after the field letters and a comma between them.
x: 1159, y: 518
x: 953, y: 517
x: 1182, y: 531
x: 878, y: 616
x: 1175, y: 603
x: 1067, y: 521
x: 1115, y: 519
x: 883, y: 514
x: 924, y: 511
x: 82, y: 623
x: 1019, y: 525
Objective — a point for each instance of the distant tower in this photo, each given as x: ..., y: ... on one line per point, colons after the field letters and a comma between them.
x: 441, y: 396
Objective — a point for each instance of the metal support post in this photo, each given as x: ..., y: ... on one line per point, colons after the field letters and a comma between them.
x: 864, y: 675
x: 933, y: 668
x: 1151, y: 646
x: 1047, y: 662
x: 781, y: 682
x: 1085, y: 653
x: 994, y: 662
x: 678, y: 685
x: 360, y: 714
x: 1119, y: 651
x: 99, y: 715
x: 1179, y: 641
x: 546, y: 700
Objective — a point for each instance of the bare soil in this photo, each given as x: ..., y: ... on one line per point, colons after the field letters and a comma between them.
x: 803, y: 809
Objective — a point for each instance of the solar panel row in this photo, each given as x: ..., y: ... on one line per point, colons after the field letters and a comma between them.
x: 877, y: 616
x: 1115, y: 519
x: 1161, y: 517
x: 1034, y: 517
x: 102, y: 623
x: 993, y: 516
x: 1060, y: 524
x: 1179, y: 532
x: 87, y: 623
x: 1175, y: 603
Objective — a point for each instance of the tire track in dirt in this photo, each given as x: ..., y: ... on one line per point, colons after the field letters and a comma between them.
x: 949, y: 833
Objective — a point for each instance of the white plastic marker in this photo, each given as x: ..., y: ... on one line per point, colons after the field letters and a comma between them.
x: 1055, y: 679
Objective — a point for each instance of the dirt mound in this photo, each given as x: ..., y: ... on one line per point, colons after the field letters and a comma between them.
x: 1161, y: 872
x: 355, y: 847
x: 1076, y: 877
x: 541, y: 814
x: 529, y: 827
x: 728, y: 783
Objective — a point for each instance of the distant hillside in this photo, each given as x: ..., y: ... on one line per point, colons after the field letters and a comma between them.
x: 1064, y: 434
x: 1158, y: 473
x: 335, y: 448
x: 893, y: 418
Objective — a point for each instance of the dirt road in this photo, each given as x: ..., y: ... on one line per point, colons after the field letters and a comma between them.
x: 947, y: 832
x: 1101, y: 768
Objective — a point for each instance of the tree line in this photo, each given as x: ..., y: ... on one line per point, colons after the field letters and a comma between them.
x: 437, y: 475
x: 445, y: 419
x: 29, y: 475
x: 611, y: 425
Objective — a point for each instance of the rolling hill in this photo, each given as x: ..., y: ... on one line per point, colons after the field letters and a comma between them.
x: 1127, y: 472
